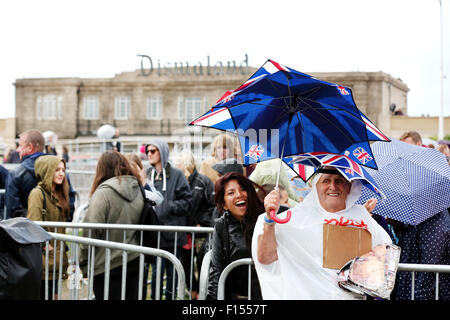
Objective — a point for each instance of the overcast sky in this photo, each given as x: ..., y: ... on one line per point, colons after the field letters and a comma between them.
x: 96, y: 38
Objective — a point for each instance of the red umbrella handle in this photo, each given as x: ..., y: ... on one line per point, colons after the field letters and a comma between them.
x: 274, y: 217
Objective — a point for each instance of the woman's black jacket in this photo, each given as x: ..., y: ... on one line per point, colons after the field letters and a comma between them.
x: 228, y: 245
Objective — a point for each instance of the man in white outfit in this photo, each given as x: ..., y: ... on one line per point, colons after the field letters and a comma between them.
x: 289, y: 257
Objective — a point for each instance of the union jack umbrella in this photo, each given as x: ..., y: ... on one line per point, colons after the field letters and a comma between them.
x: 346, y: 166
x: 284, y: 112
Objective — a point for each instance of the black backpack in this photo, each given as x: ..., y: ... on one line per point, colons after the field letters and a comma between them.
x: 149, y: 217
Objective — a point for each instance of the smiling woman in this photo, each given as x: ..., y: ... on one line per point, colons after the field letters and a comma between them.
x: 237, y: 200
x: 49, y: 201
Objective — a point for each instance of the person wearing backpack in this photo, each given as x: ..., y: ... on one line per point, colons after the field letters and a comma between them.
x: 115, y: 198
x: 49, y: 201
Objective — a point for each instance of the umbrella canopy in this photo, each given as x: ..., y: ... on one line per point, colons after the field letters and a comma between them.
x: 106, y: 131
x: 50, y: 137
x: 228, y: 165
x: 359, y: 155
x: 283, y: 112
x: 415, y: 180
x: 346, y: 166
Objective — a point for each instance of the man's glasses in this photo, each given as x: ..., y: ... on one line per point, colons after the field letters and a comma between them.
x: 152, y: 151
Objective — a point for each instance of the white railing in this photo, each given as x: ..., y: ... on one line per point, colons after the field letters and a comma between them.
x: 401, y: 267
x: 75, y: 227
x: 125, y: 248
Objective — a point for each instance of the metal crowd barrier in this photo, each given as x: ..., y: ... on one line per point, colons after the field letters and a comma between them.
x: 413, y: 268
x: 226, y: 272
x: 119, y: 246
x: 401, y: 267
x: 204, y: 276
x: 204, y: 273
x: 74, y: 229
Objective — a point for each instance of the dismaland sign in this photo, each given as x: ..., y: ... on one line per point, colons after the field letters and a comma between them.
x: 179, y: 68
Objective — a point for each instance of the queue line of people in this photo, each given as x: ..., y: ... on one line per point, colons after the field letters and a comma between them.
x: 186, y: 197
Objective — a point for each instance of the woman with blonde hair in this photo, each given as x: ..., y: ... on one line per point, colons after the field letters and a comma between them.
x: 49, y: 201
x: 223, y: 147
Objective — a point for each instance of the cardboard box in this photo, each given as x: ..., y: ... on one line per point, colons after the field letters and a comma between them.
x: 341, y: 244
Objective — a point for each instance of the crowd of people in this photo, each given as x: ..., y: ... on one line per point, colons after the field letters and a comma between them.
x: 236, y: 201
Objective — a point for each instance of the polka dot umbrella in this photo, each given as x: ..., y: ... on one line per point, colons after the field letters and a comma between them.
x: 415, y: 180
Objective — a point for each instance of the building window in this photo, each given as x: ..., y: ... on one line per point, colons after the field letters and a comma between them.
x: 154, y: 108
x: 180, y: 108
x: 122, y: 107
x: 91, y: 107
x: 193, y: 108
x: 49, y: 107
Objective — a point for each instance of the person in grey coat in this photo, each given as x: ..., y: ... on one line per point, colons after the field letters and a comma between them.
x: 115, y: 198
x: 174, y: 209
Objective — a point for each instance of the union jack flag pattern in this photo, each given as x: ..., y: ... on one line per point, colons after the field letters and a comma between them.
x: 255, y: 152
x: 219, y: 118
x: 343, y: 90
x: 373, y: 133
x: 362, y: 155
x: 337, y: 160
x: 269, y: 67
x: 346, y: 166
x: 303, y: 171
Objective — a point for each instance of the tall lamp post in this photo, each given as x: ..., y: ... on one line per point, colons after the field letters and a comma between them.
x: 441, y: 113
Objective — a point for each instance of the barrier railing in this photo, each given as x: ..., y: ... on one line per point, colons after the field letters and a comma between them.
x: 413, y: 268
x: 226, y: 272
x: 401, y: 267
x: 125, y: 248
x: 203, y: 276
x: 75, y: 227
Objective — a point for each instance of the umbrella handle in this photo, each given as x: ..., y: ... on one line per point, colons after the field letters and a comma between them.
x: 273, y: 216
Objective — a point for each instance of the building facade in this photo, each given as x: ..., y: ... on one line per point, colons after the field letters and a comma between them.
x: 159, y: 103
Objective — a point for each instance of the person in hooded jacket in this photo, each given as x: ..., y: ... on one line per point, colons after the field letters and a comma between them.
x: 21, y: 180
x: 49, y: 201
x: 115, y: 197
x: 174, y: 210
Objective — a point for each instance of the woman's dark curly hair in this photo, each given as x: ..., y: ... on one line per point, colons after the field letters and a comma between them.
x: 255, y: 205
